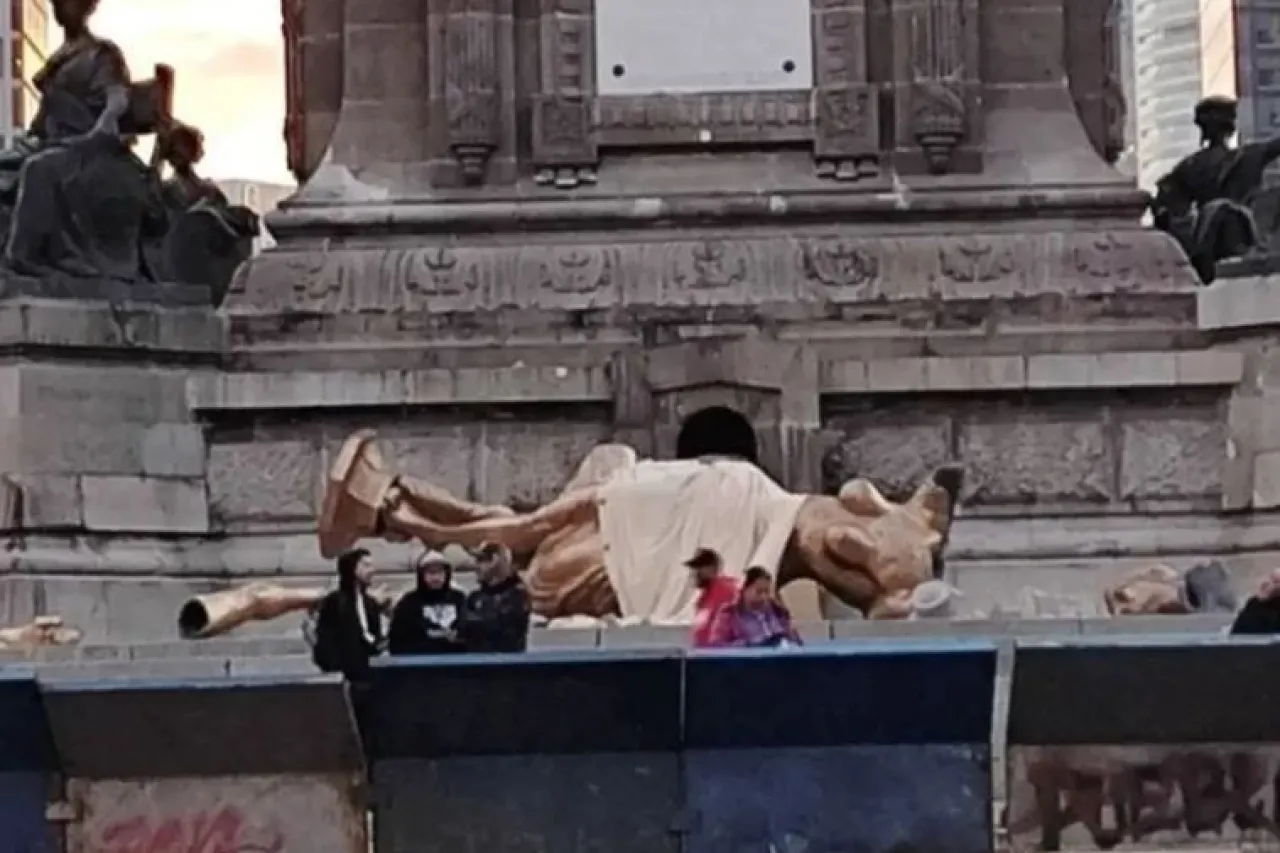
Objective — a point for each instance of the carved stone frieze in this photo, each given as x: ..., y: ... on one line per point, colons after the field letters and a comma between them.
x: 823, y: 267
x: 1124, y: 262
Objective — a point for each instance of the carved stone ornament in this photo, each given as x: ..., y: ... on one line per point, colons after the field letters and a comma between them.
x: 972, y: 262
x: 472, y: 87
x: 711, y: 265
x: 938, y: 121
x: 578, y: 272
x: 938, y: 111
x: 839, y: 264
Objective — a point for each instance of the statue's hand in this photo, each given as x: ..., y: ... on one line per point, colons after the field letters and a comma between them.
x: 871, y: 552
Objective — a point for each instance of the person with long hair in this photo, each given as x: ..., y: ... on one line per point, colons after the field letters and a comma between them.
x: 756, y: 619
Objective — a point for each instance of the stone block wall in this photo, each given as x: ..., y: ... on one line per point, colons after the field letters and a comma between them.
x: 1044, y: 452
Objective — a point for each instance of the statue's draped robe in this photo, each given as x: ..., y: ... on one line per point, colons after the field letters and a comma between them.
x: 655, y: 515
x: 205, y: 237
x: 83, y: 205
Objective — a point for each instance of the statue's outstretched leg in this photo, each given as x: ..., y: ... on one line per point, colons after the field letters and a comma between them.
x: 365, y: 498
x: 402, y: 518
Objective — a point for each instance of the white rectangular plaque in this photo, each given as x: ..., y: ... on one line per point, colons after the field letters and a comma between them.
x: 646, y: 47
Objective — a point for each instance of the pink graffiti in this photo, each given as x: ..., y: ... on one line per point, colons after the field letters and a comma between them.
x: 218, y: 831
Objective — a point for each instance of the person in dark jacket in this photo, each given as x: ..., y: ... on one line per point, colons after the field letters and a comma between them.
x: 349, y: 624
x: 1261, y: 613
x: 495, y: 617
x: 424, y: 620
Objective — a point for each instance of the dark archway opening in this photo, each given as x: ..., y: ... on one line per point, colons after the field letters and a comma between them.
x: 717, y: 431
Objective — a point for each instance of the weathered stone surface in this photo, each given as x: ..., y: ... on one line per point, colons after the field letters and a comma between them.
x: 144, y: 505
x: 263, y: 480
x: 528, y: 463
x: 50, y: 502
x: 93, y: 325
x: 1036, y: 458
x: 100, y: 394
x: 445, y: 458
x: 1172, y: 457
x: 897, y: 456
x: 61, y: 445
x: 1266, y: 480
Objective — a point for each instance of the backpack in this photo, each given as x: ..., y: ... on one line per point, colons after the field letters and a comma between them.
x: 321, y: 654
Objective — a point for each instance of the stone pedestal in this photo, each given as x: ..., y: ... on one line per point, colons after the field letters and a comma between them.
x: 916, y: 253
x: 98, y: 445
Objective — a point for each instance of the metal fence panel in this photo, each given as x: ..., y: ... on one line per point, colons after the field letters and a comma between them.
x: 591, y: 803
x: 866, y: 748
x: 262, y: 765
x: 26, y: 757
x: 1142, y: 741
x: 549, y: 752
x: 876, y: 799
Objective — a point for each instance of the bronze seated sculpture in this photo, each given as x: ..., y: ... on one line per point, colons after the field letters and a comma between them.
x: 867, y: 551
x: 1208, y: 201
x: 75, y: 200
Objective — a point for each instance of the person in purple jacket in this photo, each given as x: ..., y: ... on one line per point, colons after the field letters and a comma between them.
x: 756, y: 619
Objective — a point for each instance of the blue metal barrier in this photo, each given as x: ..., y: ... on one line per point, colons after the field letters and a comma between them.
x: 26, y: 759
x: 538, y: 753
x: 1114, y: 740
x: 862, y: 748
x: 265, y: 764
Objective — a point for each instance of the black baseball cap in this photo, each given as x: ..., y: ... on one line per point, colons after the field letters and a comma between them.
x: 703, y: 558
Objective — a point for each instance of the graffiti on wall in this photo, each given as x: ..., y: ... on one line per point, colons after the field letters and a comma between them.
x: 241, y: 814
x: 221, y: 830
x: 1104, y: 797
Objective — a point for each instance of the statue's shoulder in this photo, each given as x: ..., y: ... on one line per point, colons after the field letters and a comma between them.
x: 110, y: 54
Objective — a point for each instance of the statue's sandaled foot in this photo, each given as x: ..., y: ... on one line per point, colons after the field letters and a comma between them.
x: 354, y: 495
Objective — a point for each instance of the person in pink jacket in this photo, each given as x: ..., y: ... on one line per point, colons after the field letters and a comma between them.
x: 756, y: 619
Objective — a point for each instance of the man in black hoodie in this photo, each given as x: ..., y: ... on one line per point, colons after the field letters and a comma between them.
x: 1261, y: 613
x: 495, y: 617
x: 349, y: 623
x: 424, y: 620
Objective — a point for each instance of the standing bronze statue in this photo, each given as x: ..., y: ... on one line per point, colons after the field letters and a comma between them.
x: 76, y: 201
x: 1206, y: 201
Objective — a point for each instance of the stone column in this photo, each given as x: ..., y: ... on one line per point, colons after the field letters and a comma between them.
x: 381, y: 139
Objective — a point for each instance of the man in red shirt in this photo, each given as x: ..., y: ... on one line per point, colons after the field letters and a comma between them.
x: 715, y: 590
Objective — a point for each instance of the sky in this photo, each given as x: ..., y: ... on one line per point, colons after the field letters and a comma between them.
x: 228, y: 60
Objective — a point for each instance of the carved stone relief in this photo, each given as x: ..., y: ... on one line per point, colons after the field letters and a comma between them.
x: 471, y: 47
x: 564, y: 147
x: 846, y: 135
x: 936, y: 69
x: 823, y: 267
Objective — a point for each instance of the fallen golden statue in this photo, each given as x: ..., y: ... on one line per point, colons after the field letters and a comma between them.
x: 45, y: 631
x: 615, y: 540
x: 216, y: 613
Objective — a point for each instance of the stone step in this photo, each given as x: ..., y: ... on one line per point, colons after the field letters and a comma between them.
x: 240, y: 655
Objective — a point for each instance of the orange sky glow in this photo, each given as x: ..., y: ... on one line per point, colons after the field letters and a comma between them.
x: 228, y: 59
